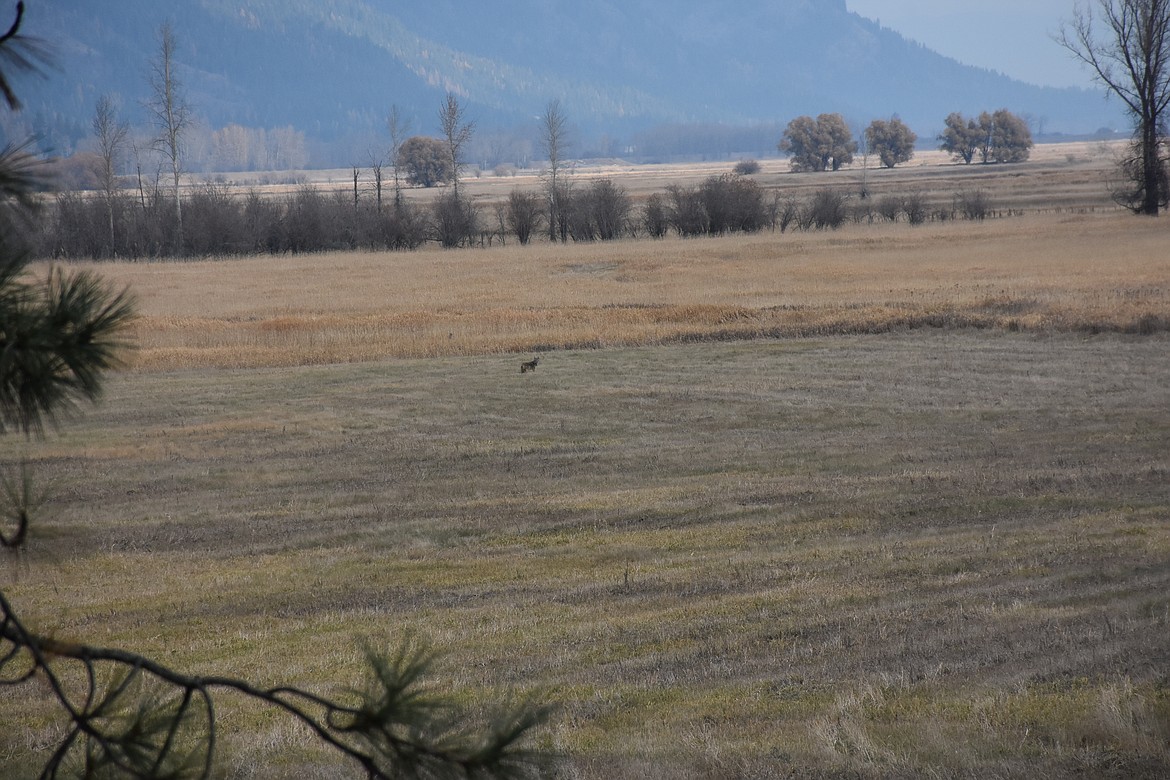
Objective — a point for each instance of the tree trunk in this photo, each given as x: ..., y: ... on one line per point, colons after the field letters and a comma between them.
x: 110, y: 215
x: 1151, y: 169
x: 178, y: 209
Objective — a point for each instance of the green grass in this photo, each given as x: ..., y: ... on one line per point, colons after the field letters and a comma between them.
x: 938, y: 553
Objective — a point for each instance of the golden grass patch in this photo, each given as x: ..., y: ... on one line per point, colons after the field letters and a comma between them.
x: 1047, y: 273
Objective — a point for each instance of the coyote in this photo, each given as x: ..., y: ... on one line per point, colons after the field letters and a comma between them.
x: 529, y: 366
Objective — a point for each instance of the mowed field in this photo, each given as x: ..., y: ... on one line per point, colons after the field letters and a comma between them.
x: 881, y: 502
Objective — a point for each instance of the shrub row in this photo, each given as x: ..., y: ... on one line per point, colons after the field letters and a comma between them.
x: 217, y: 222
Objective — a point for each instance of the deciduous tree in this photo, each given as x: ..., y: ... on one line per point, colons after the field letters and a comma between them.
x: 553, y: 140
x: 457, y: 132
x: 1004, y: 137
x: 960, y: 137
x: 112, y: 136
x: 820, y: 144
x: 424, y: 161
x: 232, y: 148
x: 286, y: 149
x: 171, y: 114
x: 399, y: 128
x: 892, y: 141
x: 1126, y: 43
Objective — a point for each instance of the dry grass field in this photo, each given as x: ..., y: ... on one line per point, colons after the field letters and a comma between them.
x: 879, y: 503
x: 1042, y: 272
x: 1068, y: 176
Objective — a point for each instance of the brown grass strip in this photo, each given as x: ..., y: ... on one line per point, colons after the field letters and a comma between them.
x: 1043, y: 273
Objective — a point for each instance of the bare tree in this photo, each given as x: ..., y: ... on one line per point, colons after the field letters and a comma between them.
x: 112, y: 136
x: 286, y: 149
x: 553, y: 140
x: 457, y: 132
x: 1127, y: 45
x: 377, y: 165
x: 399, y: 131
x: 172, y: 115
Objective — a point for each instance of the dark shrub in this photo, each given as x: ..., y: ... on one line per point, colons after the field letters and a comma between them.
x: 456, y: 222
x: 522, y: 214
x: 746, y: 168
x: 655, y: 217
x: 826, y: 211
x: 973, y: 204
x: 914, y: 205
x: 609, y: 207
x: 687, y: 213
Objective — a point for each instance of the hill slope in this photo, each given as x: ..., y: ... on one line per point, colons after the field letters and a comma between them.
x: 334, y: 68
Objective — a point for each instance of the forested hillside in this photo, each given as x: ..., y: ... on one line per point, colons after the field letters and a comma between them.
x: 332, y: 69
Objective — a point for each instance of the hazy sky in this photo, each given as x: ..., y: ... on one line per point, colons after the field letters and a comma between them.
x: 1011, y: 36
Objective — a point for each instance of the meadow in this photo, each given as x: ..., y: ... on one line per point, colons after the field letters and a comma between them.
x: 884, y: 502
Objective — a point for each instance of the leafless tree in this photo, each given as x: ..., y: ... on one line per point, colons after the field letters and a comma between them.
x: 171, y: 113
x: 457, y: 132
x: 1126, y: 43
x: 112, y: 135
x: 399, y: 128
x: 377, y: 170
x: 553, y: 140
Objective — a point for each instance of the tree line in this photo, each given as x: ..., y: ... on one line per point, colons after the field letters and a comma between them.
x: 827, y: 144
x: 156, y: 220
x: 116, y: 225
x: 218, y: 221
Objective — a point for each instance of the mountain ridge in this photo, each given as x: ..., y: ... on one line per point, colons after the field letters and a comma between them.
x: 333, y: 68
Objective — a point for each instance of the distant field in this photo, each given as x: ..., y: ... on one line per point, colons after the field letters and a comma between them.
x: 1068, y: 176
x: 884, y: 502
x: 1045, y: 273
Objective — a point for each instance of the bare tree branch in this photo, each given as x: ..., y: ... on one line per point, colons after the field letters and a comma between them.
x: 172, y: 116
x: 21, y: 53
x: 458, y: 132
x: 1126, y: 43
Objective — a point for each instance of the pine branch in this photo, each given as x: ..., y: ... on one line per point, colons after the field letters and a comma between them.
x: 21, y: 53
x: 152, y: 721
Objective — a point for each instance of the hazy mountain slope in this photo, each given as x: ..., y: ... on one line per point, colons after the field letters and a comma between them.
x: 332, y: 67
x: 742, y: 61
